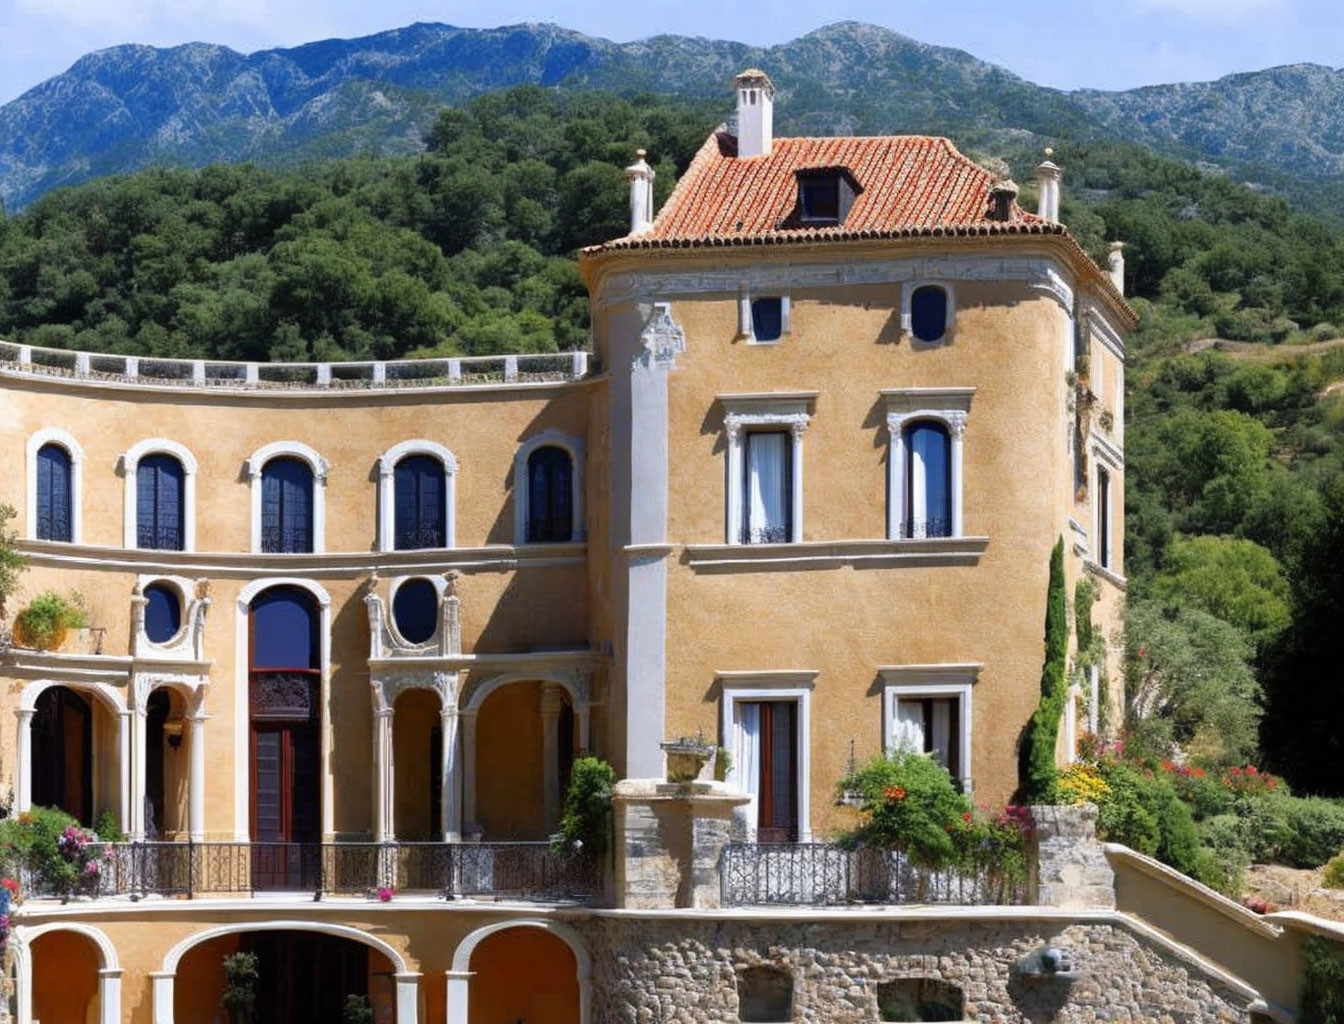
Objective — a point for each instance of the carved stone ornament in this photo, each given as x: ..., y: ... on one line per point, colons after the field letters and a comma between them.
x: 735, y: 422
x: 663, y: 338
x: 283, y: 696
x: 387, y: 688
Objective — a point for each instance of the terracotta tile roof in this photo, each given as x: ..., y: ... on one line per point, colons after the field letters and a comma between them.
x: 911, y: 185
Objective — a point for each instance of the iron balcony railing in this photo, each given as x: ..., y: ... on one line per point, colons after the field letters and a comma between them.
x: 825, y: 874
x: 527, y: 871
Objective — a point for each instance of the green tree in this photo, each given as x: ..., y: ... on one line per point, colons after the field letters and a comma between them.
x: 1237, y: 580
x: 1036, y: 753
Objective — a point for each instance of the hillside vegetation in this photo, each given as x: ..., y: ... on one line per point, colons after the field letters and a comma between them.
x: 1235, y: 518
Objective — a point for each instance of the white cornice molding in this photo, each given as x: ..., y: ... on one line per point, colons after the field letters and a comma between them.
x: 949, y: 672
x: 927, y: 551
x: 790, y: 678
x: 1106, y: 334
x: 1107, y: 451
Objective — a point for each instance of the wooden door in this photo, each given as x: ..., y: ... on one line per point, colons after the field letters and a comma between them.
x: 778, y: 803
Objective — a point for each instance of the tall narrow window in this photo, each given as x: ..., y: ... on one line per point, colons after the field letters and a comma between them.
x: 160, y: 503
x: 930, y: 726
x: 550, y: 495
x: 767, y: 744
x: 928, y: 481
x: 54, y: 503
x: 928, y: 313
x: 420, y: 511
x: 767, y: 487
x: 286, y: 507
x: 1103, y: 518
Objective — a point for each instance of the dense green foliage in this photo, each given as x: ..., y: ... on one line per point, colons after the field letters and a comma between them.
x: 1322, y: 999
x: 59, y: 856
x: 1036, y: 755
x: 461, y: 250
x: 12, y: 563
x: 585, y: 821
x: 239, y: 999
x: 43, y: 623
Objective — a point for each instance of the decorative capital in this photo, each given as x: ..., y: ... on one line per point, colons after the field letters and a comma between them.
x: 663, y: 338
x: 798, y: 426
x: 956, y: 423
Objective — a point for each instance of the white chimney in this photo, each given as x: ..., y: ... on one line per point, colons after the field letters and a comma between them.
x: 1047, y: 178
x: 755, y: 113
x: 1115, y: 263
x: 640, y: 176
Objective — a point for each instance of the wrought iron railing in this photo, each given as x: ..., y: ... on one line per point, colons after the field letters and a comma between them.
x: 823, y: 874
x: 529, y: 871
x: 775, y: 533
x: 205, y: 373
x: 933, y: 526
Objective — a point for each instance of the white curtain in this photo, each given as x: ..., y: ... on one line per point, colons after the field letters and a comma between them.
x: 747, y: 756
x: 910, y: 725
x: 766, y: 460
x: 940, y: 741
x: 930, y: 513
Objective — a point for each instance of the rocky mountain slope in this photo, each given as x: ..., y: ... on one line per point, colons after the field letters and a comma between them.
x: 133, y: 106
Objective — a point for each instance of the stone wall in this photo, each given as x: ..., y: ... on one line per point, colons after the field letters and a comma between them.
x: 1070, y: 864
x: 684, y: 970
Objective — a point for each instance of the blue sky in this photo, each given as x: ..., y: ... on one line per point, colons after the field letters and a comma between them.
x: 1064, y: 43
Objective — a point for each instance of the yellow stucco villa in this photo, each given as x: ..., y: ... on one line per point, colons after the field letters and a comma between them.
x: 350, y: 624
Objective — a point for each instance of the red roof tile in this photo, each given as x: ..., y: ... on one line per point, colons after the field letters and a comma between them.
x: 911, y: 185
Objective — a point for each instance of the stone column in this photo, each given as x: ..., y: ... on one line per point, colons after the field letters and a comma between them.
x: 196, y: 783
x: 468, y: 754
x: 1070, y: 865
x: 23, y: 767
x: 796, y: 473
x: 408, y: 997
x: 132, y: 800
x: 957, y: 427
x: 551, y: 703
x: 109, y: 995
x: 459, y: 992
x: 895, y: 476
x: 383, y: 769
x: 449, y: 777
x: 163, y: 996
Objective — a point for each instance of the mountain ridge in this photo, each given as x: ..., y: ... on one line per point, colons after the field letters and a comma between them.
x: 131, y: 106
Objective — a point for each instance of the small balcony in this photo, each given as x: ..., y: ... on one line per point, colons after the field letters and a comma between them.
x: 486, y: 871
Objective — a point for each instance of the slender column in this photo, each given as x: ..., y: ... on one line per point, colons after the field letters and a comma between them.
x: 196, y: 792
x: 449, y: 778
x: 584, y: 713
x: 138, y: 769
x: 124, y: 763
x: 736, y: 498
x: 24, y: 767
x: 895, y: 476
x: 459, y: 991
x: 957, y: 422
x: 163, y: 996
x: 796, y: 437
x: 550, y: 754
x: 383, y: 788
x: 109, y: 995
x: 468, y: 754
x: 408, y: 997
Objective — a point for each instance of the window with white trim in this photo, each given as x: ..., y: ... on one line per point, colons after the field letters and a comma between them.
x: 160, y: 496
x: 763, y: 318
x: 289, y: 498
x: 765, y: 466
x: 416, y: 497
x: 548, y: 489
x: 766, y: 729
x: 927, y: 709
x: 928, y: 311
x: 1103, y: 501
x: 54, y: 472
x: 924, y: 461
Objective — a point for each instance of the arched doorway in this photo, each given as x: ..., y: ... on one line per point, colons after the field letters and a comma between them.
x: 302, y: 975
x: 62, y: 758
x: 167, y: 765
x: 532, y: 971
x: 418, y: 742
x: 284, y: 691
x: 65, y: 978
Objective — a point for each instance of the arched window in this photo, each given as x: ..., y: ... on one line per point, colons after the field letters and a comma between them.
x: 928, y: 481
x: 62, y: 753
x: 420, y: 505
x: 415, y: 610
x: 160, y: 503
x: 163, y: 612
x: 928, y: 312
x: 286, y: 506
x: 55, y: 505
x: 550, y: 495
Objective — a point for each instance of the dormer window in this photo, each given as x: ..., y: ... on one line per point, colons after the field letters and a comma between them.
x: 825, y: 195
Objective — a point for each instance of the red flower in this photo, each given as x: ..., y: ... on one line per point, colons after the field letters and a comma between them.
x: 966, y: 817
x: 1251, y: 770
x: 894, y: 793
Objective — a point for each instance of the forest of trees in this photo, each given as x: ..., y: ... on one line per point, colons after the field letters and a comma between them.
x: 1235, y: 518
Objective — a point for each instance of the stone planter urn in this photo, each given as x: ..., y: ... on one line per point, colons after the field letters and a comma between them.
x: 687, y: 757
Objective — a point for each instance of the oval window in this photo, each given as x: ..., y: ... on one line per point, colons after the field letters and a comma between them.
x: 415, y: 610
x: 163, y: 612
x: 928, y: 313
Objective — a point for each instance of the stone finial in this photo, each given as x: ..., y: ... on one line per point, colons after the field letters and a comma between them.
x: 640, y: 176
x: 1048, y: 176
x: 1115, y: 265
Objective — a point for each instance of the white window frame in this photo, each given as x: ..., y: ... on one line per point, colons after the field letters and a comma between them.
x: 39, y: 440
x: 908, y: 289
x: 521, y: 492
x: 748, y: 412
x: 440, y: 585
x: 923, y: 682
x: 1104, y: 456
x: 319, y: 468
x: 780, y: 685
x: 950, y: 407
x: 130, y: 464
x: 387, y: 465
x: 746, y: 328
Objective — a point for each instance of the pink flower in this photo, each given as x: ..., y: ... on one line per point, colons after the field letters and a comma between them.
x: 385, y: 894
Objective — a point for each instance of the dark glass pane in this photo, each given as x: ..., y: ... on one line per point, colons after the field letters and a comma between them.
x: 550, y: 506
x: 415, y: 610
x: 767, y: 319
x: 928, y: 481
x: 783, y: 774
x: 928, y: 313
x: 284, y: 630
x: 419, y: 508
x: 53, y: 493
x: 160, y: 514
x: 163, y: 613
x: 821, y: 200
x: 286, y: 507
x: 1104, y: 518
x: 266, y: 768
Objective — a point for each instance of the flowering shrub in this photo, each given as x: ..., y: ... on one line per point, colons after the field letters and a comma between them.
x: 1081, y: 783
x: 385, y: 894
x: 1250, y: 781
x: 64, y: 858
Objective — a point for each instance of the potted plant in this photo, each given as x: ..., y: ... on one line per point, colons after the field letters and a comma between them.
x: 687, y: 757
x: 240, y: 987
x: 43, y: 624
x: 357, y: 1010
